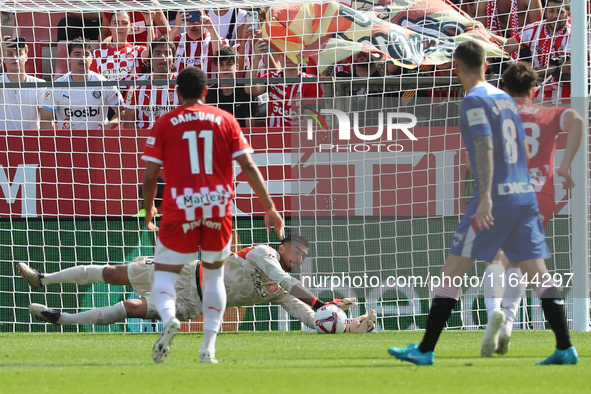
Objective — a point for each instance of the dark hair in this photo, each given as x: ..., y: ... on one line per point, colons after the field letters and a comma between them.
x: 565, y: 3
x: 191, y: 83
x: 519, y: 79
x: 295, y: 238
x: 223, y: 54
x: 80, y: 43
x: 470, y: 55
x: 162, y: 40
x: 117, y: 13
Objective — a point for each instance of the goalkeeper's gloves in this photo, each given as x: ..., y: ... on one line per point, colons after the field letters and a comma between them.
x: 362, y: 324
x: 343, y: 303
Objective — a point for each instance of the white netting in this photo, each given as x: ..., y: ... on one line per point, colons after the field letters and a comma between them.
x: 69, y: 196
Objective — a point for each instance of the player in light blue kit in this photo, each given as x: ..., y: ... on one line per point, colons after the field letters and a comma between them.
x: 502, y: 215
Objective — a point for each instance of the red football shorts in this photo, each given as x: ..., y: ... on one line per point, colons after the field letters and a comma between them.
x: 187, y: 237
x: 546, y: 205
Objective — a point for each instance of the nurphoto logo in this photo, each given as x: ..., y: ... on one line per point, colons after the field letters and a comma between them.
x: 347, y: 128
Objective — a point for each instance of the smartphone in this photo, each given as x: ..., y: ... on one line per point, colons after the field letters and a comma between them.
x: 194, y: 16
x: 252, y: 19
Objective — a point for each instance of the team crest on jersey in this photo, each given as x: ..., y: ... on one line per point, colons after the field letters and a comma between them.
x: 458, y: 237
x: 96, y: 94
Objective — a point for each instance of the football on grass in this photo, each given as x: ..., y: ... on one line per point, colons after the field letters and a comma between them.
x: 330, y: 319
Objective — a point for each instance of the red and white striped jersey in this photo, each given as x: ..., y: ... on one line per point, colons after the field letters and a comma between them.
x: 542, y: 125
x: 285, y: 99
x: 139, y: 28
x: 198, y: 53
x: 493, y: 24
x: 543, y: 44
x: 122, y: 64
x: 151, y: 101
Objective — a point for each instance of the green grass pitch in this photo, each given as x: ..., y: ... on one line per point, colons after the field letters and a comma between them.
x: 298, y: 362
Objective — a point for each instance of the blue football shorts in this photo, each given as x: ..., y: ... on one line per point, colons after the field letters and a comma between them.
x: 517, y: 230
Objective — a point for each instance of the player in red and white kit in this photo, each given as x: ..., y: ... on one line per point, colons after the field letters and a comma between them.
x: 541, y: 125
x: 196, y: 144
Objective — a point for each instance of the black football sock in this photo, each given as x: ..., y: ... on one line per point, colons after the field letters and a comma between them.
x: 553, y: 307
x: 441, y: 309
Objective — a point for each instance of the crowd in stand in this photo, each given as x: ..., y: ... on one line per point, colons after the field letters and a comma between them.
x: 228, y: 44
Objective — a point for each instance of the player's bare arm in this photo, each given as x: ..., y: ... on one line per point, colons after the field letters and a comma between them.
x: 149, y: 190
x: 510, y: 45
x: 160, y: 21
x: 215, y: 37
x: 259, y: 48
x: 46, y: 119
x: 129, y: 119
x: 257, y: 183
x: 573, y: 124
x: 484, y: 168
x: 114, y: 122
x: 530, y: 11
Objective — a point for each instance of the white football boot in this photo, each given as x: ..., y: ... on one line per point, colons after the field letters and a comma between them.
x: 208, y: 358
x: 490, y: 338
x: 32, y: 275
x: 44, y: 314
x: 504, y: 338
x: 162, y: 346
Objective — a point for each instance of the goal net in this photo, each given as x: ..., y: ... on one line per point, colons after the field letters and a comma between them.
x: 379, y: 200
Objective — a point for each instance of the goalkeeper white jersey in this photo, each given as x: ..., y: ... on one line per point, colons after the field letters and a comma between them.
x: 83, y: 107
x: 19, y: 108
x: 252, y: 276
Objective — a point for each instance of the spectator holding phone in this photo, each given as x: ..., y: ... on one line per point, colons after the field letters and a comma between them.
x: 196, y: 46
x: 253, y: 35
x: 285, y: 98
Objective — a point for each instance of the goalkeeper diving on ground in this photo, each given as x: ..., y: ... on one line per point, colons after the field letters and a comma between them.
x: 253, y: 275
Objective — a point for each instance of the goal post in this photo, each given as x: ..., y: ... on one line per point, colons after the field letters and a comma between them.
x: 580, y: 168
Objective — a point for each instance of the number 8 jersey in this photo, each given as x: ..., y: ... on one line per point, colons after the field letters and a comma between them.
x: 487, y: 110
x: 196, y: 146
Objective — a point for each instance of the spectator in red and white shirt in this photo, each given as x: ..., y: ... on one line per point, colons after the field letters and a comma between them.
x: 146, y: 103
x: 546, y: 40
x: 119, y: 60
x: 285, y: 98
x: 506, y: 17
x: 248, y: 59
x: 196, y: 46
x: 145, y: 26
